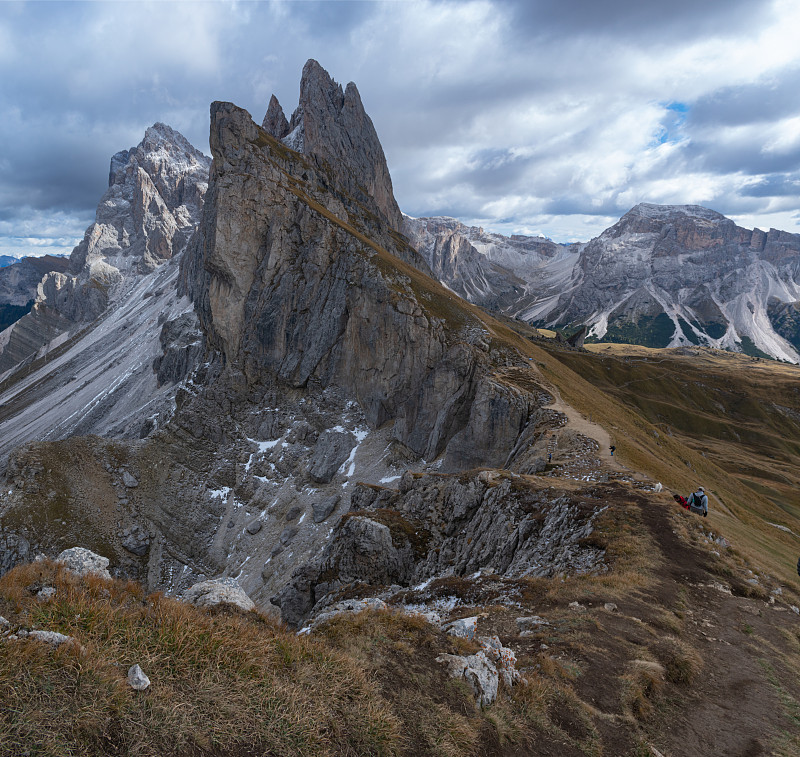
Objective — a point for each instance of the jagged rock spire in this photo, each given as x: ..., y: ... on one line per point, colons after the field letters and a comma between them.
x: 275, y: 121
x: 331, y: 124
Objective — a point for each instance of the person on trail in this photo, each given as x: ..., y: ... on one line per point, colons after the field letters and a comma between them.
x: 698, y: 502
x: 613, y: 449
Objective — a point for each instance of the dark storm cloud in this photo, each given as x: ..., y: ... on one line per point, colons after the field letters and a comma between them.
x: 646, y: 22
x: 744, y: 155
x: 770, y: 100
x: 775, y: 185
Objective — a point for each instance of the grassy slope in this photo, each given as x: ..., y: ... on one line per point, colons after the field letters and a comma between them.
x: 717, y: 424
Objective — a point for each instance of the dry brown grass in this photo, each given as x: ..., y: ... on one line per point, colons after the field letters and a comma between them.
x: 642, y: 685
x: 218, y: 679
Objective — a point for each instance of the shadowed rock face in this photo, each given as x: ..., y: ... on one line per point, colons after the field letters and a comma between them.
x: 446, y: 525
x: 332, y: 126
x: 294, y: 280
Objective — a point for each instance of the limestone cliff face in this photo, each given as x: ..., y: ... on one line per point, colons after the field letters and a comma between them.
x: 330, y: 125
x: 294, y: 281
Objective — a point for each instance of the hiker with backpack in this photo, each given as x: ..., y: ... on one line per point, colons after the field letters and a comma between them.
x: 698, y: 502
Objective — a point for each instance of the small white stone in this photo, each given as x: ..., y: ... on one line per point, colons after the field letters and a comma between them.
x: 137, y: 678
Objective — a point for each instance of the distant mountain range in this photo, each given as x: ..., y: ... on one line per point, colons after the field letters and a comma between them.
x: 663, y: 276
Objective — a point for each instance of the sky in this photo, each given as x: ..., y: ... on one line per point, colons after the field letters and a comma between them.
x: 549, y: 117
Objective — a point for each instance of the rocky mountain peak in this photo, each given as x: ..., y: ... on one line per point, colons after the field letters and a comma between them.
x: 151, y: 207
x: 331, y: 124
x: 275, y: 122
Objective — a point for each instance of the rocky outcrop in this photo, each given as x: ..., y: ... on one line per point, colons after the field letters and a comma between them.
x: 491, y: 270
x: 331, y: 126
x: 84, y: 562
x: 275, y: 122
x: 293, y: 281
x: 18, y: 281
x: 447, y: 525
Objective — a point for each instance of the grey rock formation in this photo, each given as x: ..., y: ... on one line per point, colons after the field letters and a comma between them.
x: 14, y: 549
x: 53, y: 638
x: 463, y: 628
x: 273, y: 271
x: 662, y: 276
x: 136, y: 540
x: 254, y: 527
x: 275, y: 122
x: 499, y: 273
x: 218, y: 591
x: 83, y: 562
x: 331, y: 125
x: 478, y: 671
x: 19, y: 281
x: 349, y: 606
x: 446, y: 526
x: 332, y: 449
x: 676, y: 275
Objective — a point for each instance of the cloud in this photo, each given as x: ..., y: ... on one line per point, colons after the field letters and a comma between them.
x: 555, y: 116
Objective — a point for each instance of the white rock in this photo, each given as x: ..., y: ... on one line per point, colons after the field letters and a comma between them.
x: 45, y: 593
x: 53, y: 638
x: 137, y: 678
x: 348, y: 605
x: 610, y: 606
x: 503, y: 658
x: 219, y: 591
x: 464, y: 628
x: 83, y: 562
x: 478, y: 671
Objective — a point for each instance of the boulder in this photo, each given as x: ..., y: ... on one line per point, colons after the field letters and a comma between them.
x: 294, y: 514
x: 463, y: 628
x: 136, y: 540
x: 288, y: 534
x: 331, y: 450
x: 253, y: 527
x: 219, y: 591
x: 323, y: 509
x: 83, y: 562
x: 503, y: 658
x: 348, y: 606
x: 129, y: 480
